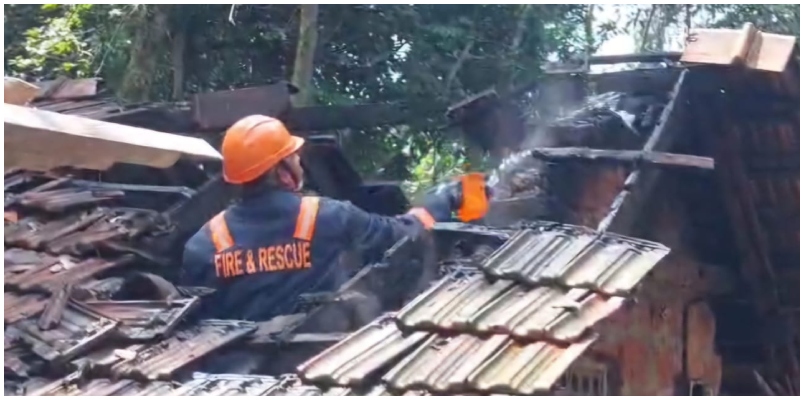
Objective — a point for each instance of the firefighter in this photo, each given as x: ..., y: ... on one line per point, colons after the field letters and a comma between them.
x: 274, y: 244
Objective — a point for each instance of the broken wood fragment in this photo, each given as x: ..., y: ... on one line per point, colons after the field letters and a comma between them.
x: 54, y: 309
x: 624, y: 156
x: 18, y: 92
x: 326, y: 337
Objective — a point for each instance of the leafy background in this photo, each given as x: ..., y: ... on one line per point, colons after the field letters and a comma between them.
x: 426, y: 55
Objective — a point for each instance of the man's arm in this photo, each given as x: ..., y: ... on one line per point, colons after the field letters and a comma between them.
x: 373, y: 234
x: 191, y: 273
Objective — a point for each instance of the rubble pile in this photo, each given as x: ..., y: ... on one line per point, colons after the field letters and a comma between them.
x: 87, y: 313
x: 73, y: 248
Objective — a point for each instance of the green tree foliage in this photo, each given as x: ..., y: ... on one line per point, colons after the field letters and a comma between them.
x: 427, y: 56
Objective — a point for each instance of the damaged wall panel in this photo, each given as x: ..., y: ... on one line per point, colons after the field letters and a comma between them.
x: 666, y: 340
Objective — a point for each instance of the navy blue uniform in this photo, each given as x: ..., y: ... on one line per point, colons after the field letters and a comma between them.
x: 265, y: 251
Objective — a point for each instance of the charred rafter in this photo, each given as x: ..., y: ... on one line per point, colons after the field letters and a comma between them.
x: 634, y: 157
x: 640, y: 183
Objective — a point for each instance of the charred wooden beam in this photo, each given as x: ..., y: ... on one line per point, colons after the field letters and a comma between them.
x: 635, y: 58
x: 629, y: 203
x: 327, y: 337
x: 219, y: 110
x: 54, y: 309
x: 635, y: 157
x: 579, y: 64
x: 647, y: 80
x: 473, y: 105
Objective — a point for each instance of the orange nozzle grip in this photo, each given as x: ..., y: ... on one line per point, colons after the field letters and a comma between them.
x: 474, y: 202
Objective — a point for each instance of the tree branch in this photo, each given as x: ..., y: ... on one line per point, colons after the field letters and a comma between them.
x: 646, y: 30
x: 458, y: 64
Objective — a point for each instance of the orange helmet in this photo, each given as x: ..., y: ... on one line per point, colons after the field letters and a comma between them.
x: 254, y: 145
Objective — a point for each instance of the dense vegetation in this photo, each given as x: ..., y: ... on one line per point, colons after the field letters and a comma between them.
x: 426, y: 55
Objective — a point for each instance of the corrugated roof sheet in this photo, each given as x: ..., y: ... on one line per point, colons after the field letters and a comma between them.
x: 244, y: 385
x: 379, y: 390
x: 574, y: 257
x: 371, y: 348
x: 142, y: 320
x: 200, y: 384
x: 477, y: 306
x: 59, y: 231
x: 441, y: 363
x: 58, y: 242
x: 78, y: 330
x: 226, y: 385
x: 497, y: 364
x: 513, y: 330
x: 71, y: 386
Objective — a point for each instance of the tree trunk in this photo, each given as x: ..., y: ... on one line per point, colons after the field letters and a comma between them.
x: 177, y: 49
x: 305, y: 55
x: 589, y: 33
x: 151, y: 22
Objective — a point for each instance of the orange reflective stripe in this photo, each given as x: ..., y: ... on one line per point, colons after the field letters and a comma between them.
x: 474, y: 203
x: 423, y: 216
x: 219, y: 231
x: 305, y: 222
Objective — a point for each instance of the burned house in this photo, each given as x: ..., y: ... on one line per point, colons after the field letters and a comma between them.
x: 718, y: 314
x: 685, y: 158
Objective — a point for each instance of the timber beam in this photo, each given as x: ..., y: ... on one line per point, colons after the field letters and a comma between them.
x: 639, y: 184
x: 585, y: 154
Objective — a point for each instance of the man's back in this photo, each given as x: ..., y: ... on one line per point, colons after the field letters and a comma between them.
x: 262, y: 253
x: 265, y: 268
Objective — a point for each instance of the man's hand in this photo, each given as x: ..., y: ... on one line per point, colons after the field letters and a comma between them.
x: 467, y: 197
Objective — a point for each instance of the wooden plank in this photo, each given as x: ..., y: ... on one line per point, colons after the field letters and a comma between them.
x: 329, y: 337
x: 661, y: 56
x: 18, y: 92
x: 62, y: 88
x: 43, y: 140
x: 54, y: 309
x: 624, y: 157
x: 746, y: 47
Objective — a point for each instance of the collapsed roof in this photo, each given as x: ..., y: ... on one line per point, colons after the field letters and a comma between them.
x: 67, y: 307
